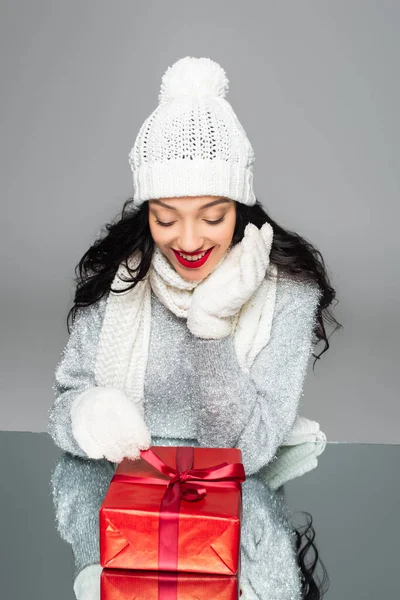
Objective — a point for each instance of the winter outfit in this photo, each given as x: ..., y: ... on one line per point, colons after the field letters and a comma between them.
x: 220, y: 362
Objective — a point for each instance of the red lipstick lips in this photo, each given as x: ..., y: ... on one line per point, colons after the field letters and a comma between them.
x: 193, y: 264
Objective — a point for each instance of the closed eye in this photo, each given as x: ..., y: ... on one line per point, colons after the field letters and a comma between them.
x: 209, y: 222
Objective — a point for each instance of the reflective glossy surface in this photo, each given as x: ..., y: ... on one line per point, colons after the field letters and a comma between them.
x: 353, y: 496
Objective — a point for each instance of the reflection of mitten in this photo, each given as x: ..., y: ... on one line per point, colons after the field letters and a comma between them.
x: 87, y: 583
x: 298, y: 458
x: 105, y: 423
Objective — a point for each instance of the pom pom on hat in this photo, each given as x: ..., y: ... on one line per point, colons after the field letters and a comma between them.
x: 193, y: 77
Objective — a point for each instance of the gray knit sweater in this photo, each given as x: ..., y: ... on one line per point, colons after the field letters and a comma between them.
x: 195, y: 391
x: 196, y: 394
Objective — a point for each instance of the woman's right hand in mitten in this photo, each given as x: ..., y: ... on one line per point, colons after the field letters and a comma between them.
x: 105, y: 423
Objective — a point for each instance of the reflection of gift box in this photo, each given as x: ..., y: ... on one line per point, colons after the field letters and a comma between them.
x: 121, y: 584
x: 180, y: 513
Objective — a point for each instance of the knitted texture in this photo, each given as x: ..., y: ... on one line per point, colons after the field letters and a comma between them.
x: 124, y: 339
x: 106, y: 423
x: 193, y: 144
x: 225, y: 291
x: 293, y: 461
x: 216, y: 404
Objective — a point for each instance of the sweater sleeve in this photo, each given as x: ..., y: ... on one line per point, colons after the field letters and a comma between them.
x: 254, y: 411
x: 75, y: 374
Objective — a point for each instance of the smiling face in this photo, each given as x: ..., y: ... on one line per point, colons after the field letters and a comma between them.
x: 193, y: 225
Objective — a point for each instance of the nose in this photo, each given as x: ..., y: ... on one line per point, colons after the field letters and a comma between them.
x: 189, y: 242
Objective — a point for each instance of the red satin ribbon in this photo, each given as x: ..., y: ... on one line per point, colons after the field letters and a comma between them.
x: 180, y: 485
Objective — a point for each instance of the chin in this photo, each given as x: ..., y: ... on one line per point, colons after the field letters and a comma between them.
x: 198, y: 276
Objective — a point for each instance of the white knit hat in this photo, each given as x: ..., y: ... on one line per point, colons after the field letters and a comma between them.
x: 192, y: 144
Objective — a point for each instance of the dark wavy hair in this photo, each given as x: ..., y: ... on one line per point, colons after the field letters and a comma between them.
x: 312, y: 588
x: 294, y: 255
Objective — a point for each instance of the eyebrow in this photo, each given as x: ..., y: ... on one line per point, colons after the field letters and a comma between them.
x: 213, y: 203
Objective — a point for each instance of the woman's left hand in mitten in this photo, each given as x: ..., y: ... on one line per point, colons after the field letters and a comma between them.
x: 220, y: 296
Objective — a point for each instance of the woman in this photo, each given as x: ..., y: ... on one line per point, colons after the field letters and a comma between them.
x: 195, y: 314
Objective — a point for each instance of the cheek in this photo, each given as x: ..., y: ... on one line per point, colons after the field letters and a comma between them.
x: 226, y: 232
x: 159, y: 236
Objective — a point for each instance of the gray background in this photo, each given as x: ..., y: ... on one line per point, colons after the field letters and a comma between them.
x: 316, y: 87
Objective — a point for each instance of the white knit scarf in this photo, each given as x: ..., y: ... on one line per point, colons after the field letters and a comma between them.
x: 124, y: 338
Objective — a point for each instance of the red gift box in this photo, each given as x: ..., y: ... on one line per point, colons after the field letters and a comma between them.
x: 177, y: 508
x: 122, y: 584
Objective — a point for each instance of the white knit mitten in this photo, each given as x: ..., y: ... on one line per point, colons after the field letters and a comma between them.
x: 87, y: 583
x: 221, y: 295
x: 105, y: 423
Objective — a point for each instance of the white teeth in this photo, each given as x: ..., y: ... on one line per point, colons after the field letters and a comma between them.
x: 192, y: 258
